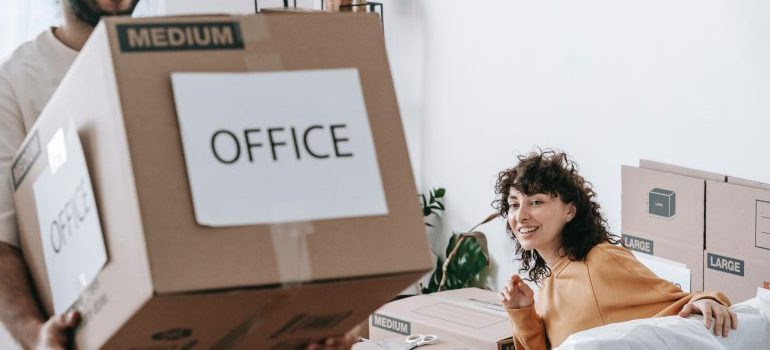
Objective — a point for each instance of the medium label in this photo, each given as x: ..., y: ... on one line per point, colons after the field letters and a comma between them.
x: 179, y: 36
x: 25, y: 160
x: 725, y: 264
x: 391, y: 324
x: 638, y: 244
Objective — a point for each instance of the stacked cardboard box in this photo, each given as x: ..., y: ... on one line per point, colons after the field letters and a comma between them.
x: 239, y: 175
x: 737, y: 256
x: 662, y: 214
x: 721, y: 223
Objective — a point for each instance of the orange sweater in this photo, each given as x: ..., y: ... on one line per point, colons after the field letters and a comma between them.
x: 609, y: 286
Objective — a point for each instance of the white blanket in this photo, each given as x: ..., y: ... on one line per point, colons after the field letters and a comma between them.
x: 675, y: 332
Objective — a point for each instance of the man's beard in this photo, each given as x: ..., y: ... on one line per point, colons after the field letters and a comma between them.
x: 89, y: 12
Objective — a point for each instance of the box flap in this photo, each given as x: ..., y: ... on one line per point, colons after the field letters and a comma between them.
x: 675, y: 169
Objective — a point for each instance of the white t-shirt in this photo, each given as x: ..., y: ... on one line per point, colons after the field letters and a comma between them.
x: 28, y: 78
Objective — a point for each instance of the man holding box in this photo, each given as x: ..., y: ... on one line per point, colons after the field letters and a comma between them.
x: 28, y: 78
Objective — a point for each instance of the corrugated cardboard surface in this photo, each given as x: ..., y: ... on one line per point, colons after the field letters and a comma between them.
x: 471, y: 317
x: 89, y: 98
x: 755, y: 274
x: 285, y: 318
x: 738, y: 220
x: 122, y: 106
x: 686, y: 226
x: 373, y: 245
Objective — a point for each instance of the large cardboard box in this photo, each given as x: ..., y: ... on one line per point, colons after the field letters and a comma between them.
x: 666, y: 201
x: 184, y: 270
x: 735, y: 274
x: 471, y: 317
x: 662, y: 213
x: 738, y: 218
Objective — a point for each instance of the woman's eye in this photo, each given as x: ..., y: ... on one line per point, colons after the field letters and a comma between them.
x: 513, y: 205
x: 537, y: 202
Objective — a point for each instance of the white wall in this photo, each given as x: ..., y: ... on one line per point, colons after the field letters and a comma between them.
x: 22, y: 20
x: 685, y: 82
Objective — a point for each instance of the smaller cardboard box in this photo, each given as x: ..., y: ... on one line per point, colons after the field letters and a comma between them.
x: 665, y: 201
x: 679, y: 263
x: 735, y: 275
x: 471, y: 317
x: 738, y: 218
x: 153, y: 8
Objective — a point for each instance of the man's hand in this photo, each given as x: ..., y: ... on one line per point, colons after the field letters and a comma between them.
x: 516, y: 294
x: 55, y: 333
x: 725, y: 319
x: 344, y: 342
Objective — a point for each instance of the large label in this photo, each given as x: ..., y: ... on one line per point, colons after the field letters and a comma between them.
x: 638, y: 244
x: 391, y: 324
x: 73, y: 245
x: 725, y: 264
x: 179, y: 36
x: 277, y: 147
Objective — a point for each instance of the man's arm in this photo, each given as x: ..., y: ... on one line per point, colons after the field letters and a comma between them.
x: 19, y: 310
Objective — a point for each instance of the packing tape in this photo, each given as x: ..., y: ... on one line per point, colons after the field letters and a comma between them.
x: 255, y: 29
x: 265, y: 56
x: 292, y: 255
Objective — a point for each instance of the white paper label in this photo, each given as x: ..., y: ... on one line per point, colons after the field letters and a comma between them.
x: 271, y: 147
x: 672, y: 271
x: 73, y: 245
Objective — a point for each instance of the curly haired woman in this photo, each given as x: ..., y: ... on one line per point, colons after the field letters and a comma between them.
x: 584, y: 278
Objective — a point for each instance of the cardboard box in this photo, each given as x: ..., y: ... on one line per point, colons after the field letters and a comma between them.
x: 734, y: 274
x: 152, y: 8
x: 662, y: 214
x: 471, y: 317
x: 179, y: 272
x: 666, y: 201
x: 738, y: 218
x: 689, y: 272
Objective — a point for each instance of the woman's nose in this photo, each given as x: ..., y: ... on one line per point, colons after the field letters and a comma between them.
x: 522, y: 214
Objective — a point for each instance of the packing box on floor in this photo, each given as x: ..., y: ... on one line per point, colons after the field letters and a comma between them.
x: 662, y: 213
x: 735, y: 274
x: 465, y: 318
x: 221, y: 182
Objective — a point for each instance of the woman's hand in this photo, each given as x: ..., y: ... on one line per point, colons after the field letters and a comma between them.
x: 516, y: 294
x: 725, y: 318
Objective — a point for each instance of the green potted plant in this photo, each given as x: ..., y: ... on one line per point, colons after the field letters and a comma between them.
x: 467, y: 256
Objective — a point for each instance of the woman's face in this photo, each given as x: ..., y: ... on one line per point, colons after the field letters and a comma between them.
x: 537, y: 220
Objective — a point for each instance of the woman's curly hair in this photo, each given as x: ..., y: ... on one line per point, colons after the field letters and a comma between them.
x: 552, y: 172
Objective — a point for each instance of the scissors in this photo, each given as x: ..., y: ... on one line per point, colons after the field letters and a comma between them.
x: 416, y: 340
